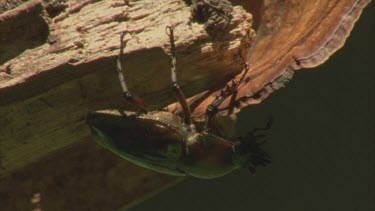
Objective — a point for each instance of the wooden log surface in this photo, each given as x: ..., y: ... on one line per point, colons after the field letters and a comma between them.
x: 46, y: 90
x: 57, y: 63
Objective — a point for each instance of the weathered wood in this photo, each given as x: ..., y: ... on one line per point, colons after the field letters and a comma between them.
x: 46, y: 91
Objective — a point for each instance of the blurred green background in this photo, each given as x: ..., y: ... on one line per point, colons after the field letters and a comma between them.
x: 322, y: 142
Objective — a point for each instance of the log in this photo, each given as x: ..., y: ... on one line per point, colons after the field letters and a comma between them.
x: 47, y: 88
x: 57, y: 63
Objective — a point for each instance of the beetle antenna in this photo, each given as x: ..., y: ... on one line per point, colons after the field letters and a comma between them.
x: 175, y: 86
x: 120, y: 69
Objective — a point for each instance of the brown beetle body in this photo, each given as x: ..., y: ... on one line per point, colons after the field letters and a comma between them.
x: 165, y: 142
x: 159, y: 141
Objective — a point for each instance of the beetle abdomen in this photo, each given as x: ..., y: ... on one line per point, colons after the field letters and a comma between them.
x: 143, y: 140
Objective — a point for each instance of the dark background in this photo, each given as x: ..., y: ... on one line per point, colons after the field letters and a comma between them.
x: 322, y: 142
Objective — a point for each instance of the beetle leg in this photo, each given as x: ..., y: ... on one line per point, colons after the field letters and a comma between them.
x: 119, y: 67
x: 175, y: 86
x: 232, y: 103
x: 229, y: 90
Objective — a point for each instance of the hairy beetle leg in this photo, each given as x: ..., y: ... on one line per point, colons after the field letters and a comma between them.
x: 212, y: 109
x: 126, y: 93
x: 175, y: 87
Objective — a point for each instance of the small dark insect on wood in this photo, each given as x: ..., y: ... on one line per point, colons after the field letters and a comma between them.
x: 174, y: 144
x: 215, y: 14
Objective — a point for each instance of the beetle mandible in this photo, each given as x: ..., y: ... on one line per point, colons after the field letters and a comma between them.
x: 173, y: 144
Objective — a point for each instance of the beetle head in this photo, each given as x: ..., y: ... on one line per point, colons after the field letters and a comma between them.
x: 248, y: 151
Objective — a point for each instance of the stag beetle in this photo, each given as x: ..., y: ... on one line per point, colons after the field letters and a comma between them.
x: 173, y: 144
